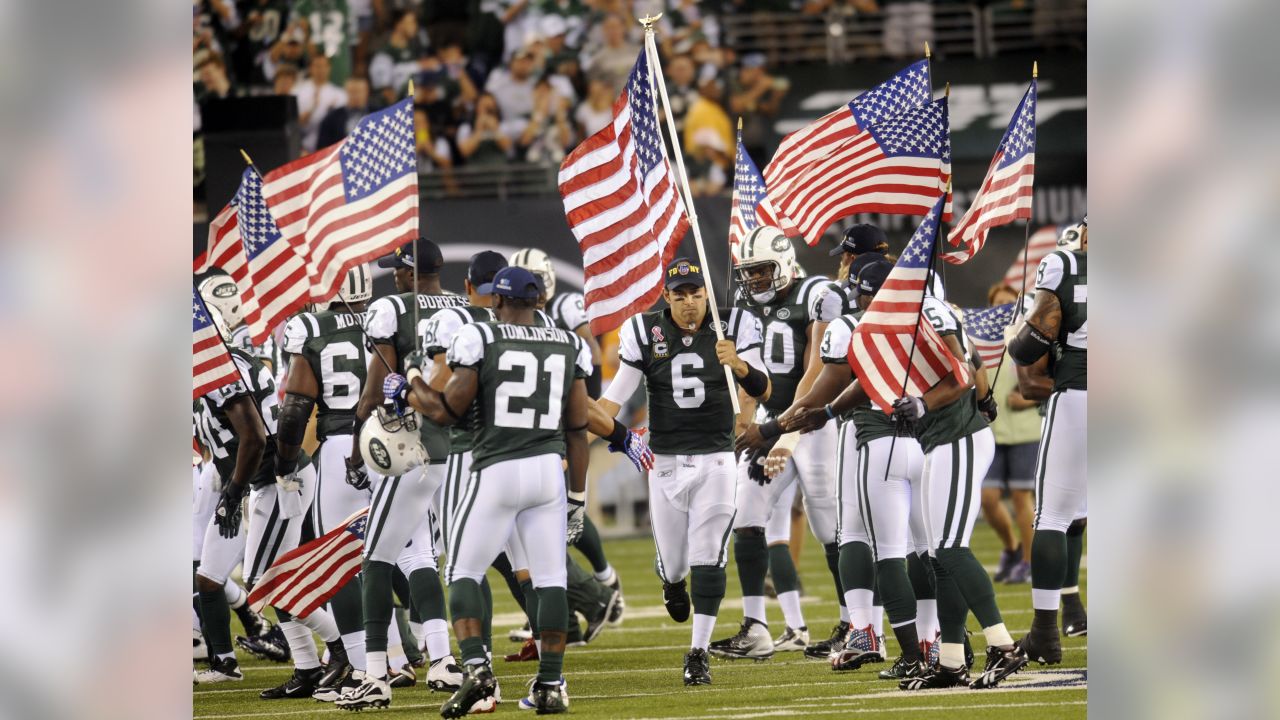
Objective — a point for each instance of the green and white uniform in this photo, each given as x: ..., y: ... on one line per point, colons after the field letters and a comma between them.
x: 567, y: 311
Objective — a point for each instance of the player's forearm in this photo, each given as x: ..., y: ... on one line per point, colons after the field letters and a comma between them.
x: 1034, y: 382
x: 852, y: 396
x: 428, y: 401
x: 947, y: 391
x: 295, y: 412
x: 599, y: 421
x: 576, y: 452
x: 830, y: 380
x: 371, y: 395
x: 744, y: 419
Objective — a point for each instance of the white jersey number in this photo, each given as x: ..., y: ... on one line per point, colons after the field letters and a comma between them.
x: 689, y: 392
x: 341, y: 388
x: 523, y: 389
x: 779, y: 348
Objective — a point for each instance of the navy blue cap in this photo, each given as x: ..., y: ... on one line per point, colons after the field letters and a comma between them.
x: 860, y: 238
x: 871, y: 277
x: 517, y: 282
x: 484, y: 265
x: 430, y: 259
x: 683, y: 271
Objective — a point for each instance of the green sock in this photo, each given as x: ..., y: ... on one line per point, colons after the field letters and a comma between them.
x: 466, y: 602
x: 215, y: 613
x: 832, y: 551
x: 706, y: 588
x: 952, y: 609
x: 857, y: 568
x: 590, y: 546
x: 895, y: 590
x: 377, y: 604
x: 1075, y: 550
x: 553, y: 616
x: 530, y: 604
x: 585, y: 594
x: 920, y: 571
x: 486, y: 622
x: 400, y: 584
x: 751, y: 553
x: 783, y: 569
x: 503, y: 565
x: 974, y: 584
x: 1049, y: 560
x: 347, y: 611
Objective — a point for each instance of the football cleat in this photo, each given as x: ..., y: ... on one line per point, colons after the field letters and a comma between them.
x: 199, y: 649
x: 254, y: 624
x: 445, y: 675
x: 697, y: 667
x: 862, y: 647
x: 596, y: 624
x: 270, y: 645
x: 822, y: 649
x: 1075, y: 621
x: 331, y: 693
x: 1020, y: 573
x: 550, y: 698
x: 300, y: 685
x: 792, y: 640
x: 371, y: 693
x: 1000, y: 665
x: 903, y: 669
x: 1008, y: 558
x: 528, y: 651
x: 338, y: 667
x: 405, y: 677
x: 938, y: 676
x: 530, y: 702
x: 520, y: 634
x: 615, y: 616
x: 676, y: 597
x: 752, y: 641
x: 220, y: 670
x: 478, y: 683
x: 1042, y: 645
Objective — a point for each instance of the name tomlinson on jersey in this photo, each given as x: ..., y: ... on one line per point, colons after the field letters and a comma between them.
x: 531, y: 332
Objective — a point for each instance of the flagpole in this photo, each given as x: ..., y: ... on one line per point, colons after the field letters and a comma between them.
x: 655, y: 74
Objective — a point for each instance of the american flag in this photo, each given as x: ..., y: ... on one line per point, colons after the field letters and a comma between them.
x: 751, y: 207
x: 350, y: 202
x: 816, y: 142
x: 621, y: 203
x: 897, y: 165
x: 1005, y: 194
x: 985, y: 327
x: 211, y: 364
x: 306, y: 577
x: 275, y: 270
x: 1041, y: 243
x: 882, y: 342
x: 224, y: 248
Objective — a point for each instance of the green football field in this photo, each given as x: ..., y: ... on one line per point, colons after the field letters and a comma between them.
x: 634, y: 671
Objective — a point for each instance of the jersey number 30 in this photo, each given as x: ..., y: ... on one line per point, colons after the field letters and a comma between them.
x: 516, y: 390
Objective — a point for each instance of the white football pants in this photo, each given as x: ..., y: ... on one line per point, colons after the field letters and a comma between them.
x: 691, y: 507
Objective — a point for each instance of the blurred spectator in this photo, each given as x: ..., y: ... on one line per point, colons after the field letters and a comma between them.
x: 616, y: 56
x: 264, y: 21
x: 755, y: 96
x: 446, y: 20
x: 433, y: 150
x: 212, y: 79
x: 213, y: 23
x: 316, y: 97
x: 328, y: 27
x: 548, y: 136
x: 463, y: 74
x: 708, y: 140
x: 771, y: 43
x: 683, y: 23
x: 286, y: 78
x: 396, y: 60
x: 485, y: 34
x: 339, y: 122
x: 512, y: 87
x: 571, y: 13
x: 481, y: 140
x: 431, y: 97
x: 597, y: 110
x: 908, y: 25
x: 290, y: 49
x: 681, y: 79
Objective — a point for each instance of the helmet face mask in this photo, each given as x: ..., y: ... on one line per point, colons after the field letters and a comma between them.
x: 538, y: 263
x: 221, y: 292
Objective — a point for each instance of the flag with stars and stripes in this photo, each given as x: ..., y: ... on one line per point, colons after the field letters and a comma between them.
x: 1021, y: 275
x: 882, y: 342
x: 1006, y: 192
x: 351, y: 202
x: 211, y: 364
x: 896, y: 165
x: 751, y: 206
x: 827, y: 136
x: 276, y: 282
x: 985, y: 327
x: 306, y: 577
x: 621, y: 202
x: 224, y: 249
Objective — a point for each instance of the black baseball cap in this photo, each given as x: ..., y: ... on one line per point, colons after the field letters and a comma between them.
x: 860, y: 238
x: 516, y: 282
x: 683, y: 271
x: 484, y: 265
x: 430, y: 259
x: 871, y: 277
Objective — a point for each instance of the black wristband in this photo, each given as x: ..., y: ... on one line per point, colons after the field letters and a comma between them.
x: 1029, y: 345
x: 755, y: 382
x: 618, y: 436
x: 770, y: 429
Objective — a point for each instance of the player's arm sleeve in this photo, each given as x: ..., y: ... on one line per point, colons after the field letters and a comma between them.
x: 467, y: 348
x: 748, y: 341
x: 1049, y: 274
x: 835, y: 342
x: 382, y: 321
x: 583, y: 363
x: 624, y: 384
x: 629, y: 339
x: 296, y: 334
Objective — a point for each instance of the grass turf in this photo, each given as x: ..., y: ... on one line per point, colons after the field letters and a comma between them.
x: 635, y: 671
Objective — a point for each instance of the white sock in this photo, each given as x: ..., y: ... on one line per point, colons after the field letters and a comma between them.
x: 419, y: 633
x: 376, y: 664
x: 703, y: 626
x: 790, y: 602
x: 997, y: 635
x: 877, y: 618
x: 951, y: 655
x: 927, y: 619
x: 301, y: 643
x: 224, y: 656
x: 322, y: 624
x: 753, y: 607
x: 1073, y: 590
x: 537, y: 642
x: 859, y: 603
x: 437, y: 634
x: 395, y: 646
x: 1045, y: 599
x: 844, y: 613
x: 606, y: 576
x: 235, y: 594
x: 354, y: 643
x: 475, y: 661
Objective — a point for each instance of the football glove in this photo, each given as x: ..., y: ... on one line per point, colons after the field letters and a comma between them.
x: 416, y: 359
x: 909, y: 408
x: 227, y: 516
x: 396, y: 389
x: 636, y: 450
x: 987, y: 406
x: 577, y: 516
x: 357, y: 475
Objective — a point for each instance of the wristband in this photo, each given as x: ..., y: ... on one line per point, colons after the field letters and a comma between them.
x: 618, y: 436
x: 578, y: 498
x: 770, y: 430
x: 755, y: 382
x: 831, y: 414
x: 412, y: 373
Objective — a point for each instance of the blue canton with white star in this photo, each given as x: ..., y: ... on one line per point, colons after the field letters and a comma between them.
x: 257, y: 228
x: 910, y: 87
x: 199, y: 316
x: 644, y: 117
x: 1020, y: 138
x: 357, y: 526
x: 988, y: 323
x: 380, y: 149
x: 917, y: 254
x: 919, y: 132
x: 749, y: 185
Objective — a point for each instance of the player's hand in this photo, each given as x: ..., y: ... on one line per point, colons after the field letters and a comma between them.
x: 396, y: 390
x: 357, y: 475
x: 636, y: 450
x: 577, y: 516
x: 227, y: 516
x: 750, y: 439
x: 776, y: 461
x: 805, y: 420
x: 755, y: 468
x: 987, y: 406
x: 727, y: 354
x: 909, y: 408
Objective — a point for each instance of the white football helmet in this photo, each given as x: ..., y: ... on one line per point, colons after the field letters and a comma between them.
x: 1073, y: 235
x: 538, y: 263
x: 357, y: 287
x: 221, y: 292
x: 219, y: 323
x: 391, y: 445
x: 765, y: 246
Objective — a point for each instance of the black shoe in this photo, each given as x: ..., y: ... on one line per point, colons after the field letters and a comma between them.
x: 1008, y: 559
x: 676, y: 598
x: 550, y: 698
x: 935, y: 677
x: 968, y: 652
x: 752, y: 641
x: 903, y: 669
x: 697, y: 668
x: 405, y: 677
x: 1042, y: 645
x: 596, y: 624
x: 253, y: 623
x: 338, y: 671
x: 477, y: 684
x: 300, y: 685
x: 1075, y: 622
x: 271, y: 645
x: 220, y: 670
x: 331, y: 693
x: 1000, y: 665
x: 822, y: 650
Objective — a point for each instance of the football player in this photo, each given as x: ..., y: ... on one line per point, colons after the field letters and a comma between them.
x: 531, y: 383
x: 692, y: 427
x: 770, y: 287
x: 1051, y: 350
x: 220, y: 291
x: 400, y: 510
x: 327, y: 364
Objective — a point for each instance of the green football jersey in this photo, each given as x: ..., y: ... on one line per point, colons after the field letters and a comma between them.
x: 333, y: 345
x: 1065, y: 275
x: 870, y: 421
x: 216, y: 431
x: 946, y: 424
x: 526, y: 374
x: 331, y: 31
x: 785, y: 336
x: 690, y: 411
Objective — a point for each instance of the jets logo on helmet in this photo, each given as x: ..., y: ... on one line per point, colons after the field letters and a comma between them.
x: 357, y: 287
x: 379, y: 455
x: 767, y: 264
x: 220, y: 291
x: 1072, y: 236
x: 538, y: 263
x: 392, y: 442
